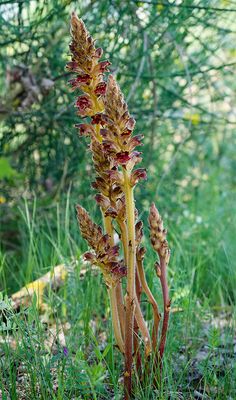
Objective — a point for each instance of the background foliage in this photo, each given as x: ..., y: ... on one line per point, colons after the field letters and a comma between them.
x: 175, y: 64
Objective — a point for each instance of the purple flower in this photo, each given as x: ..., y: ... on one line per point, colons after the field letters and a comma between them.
x: 100, y: 89
x: 83, y: 103
x: 102, y: 67
x: 122, y: 157
x: 97, y: 119
x: 65, y: 351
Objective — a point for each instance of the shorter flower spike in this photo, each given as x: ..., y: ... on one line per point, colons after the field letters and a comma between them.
x: 158, y: 234
x: 89, y: 230
x: 104, y: 255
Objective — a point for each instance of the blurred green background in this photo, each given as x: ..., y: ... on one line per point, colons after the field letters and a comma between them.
x: 175, y: 62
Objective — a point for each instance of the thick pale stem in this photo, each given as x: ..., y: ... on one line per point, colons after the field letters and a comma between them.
x: 116, y: 297
x: 137, y: 353
x: 142, y: 327
x: 120, y: 307
x: 151, y: 300
x: 130, y: 296
x: 166, y: 301
x: 115, y: 319
x: 124, y: 238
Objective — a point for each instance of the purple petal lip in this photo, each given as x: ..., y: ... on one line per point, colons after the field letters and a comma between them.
x: 100, y: 88
x: 97, y: 119
x: 83, y: 102
x: 123, y: 157
x: 103, y: 65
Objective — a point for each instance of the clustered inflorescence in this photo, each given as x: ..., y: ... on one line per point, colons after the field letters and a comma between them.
x: 110, y: 127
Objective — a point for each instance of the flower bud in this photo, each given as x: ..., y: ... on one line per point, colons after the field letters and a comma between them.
x: 80, y: 80
x: 113, y: 251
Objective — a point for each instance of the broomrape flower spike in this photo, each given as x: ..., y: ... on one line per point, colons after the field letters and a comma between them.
x: 114, y: 153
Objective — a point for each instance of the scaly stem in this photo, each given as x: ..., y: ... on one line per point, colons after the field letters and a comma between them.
x: 151, y: 300
x: 130, y: 296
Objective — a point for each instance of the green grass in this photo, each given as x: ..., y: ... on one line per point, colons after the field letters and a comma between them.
x: 202, y: 282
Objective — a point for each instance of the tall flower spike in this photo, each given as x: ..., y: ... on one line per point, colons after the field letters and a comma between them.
x: 114, y: 153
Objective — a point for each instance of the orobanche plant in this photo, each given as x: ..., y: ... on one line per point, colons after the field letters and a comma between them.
x: 113, y: 147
